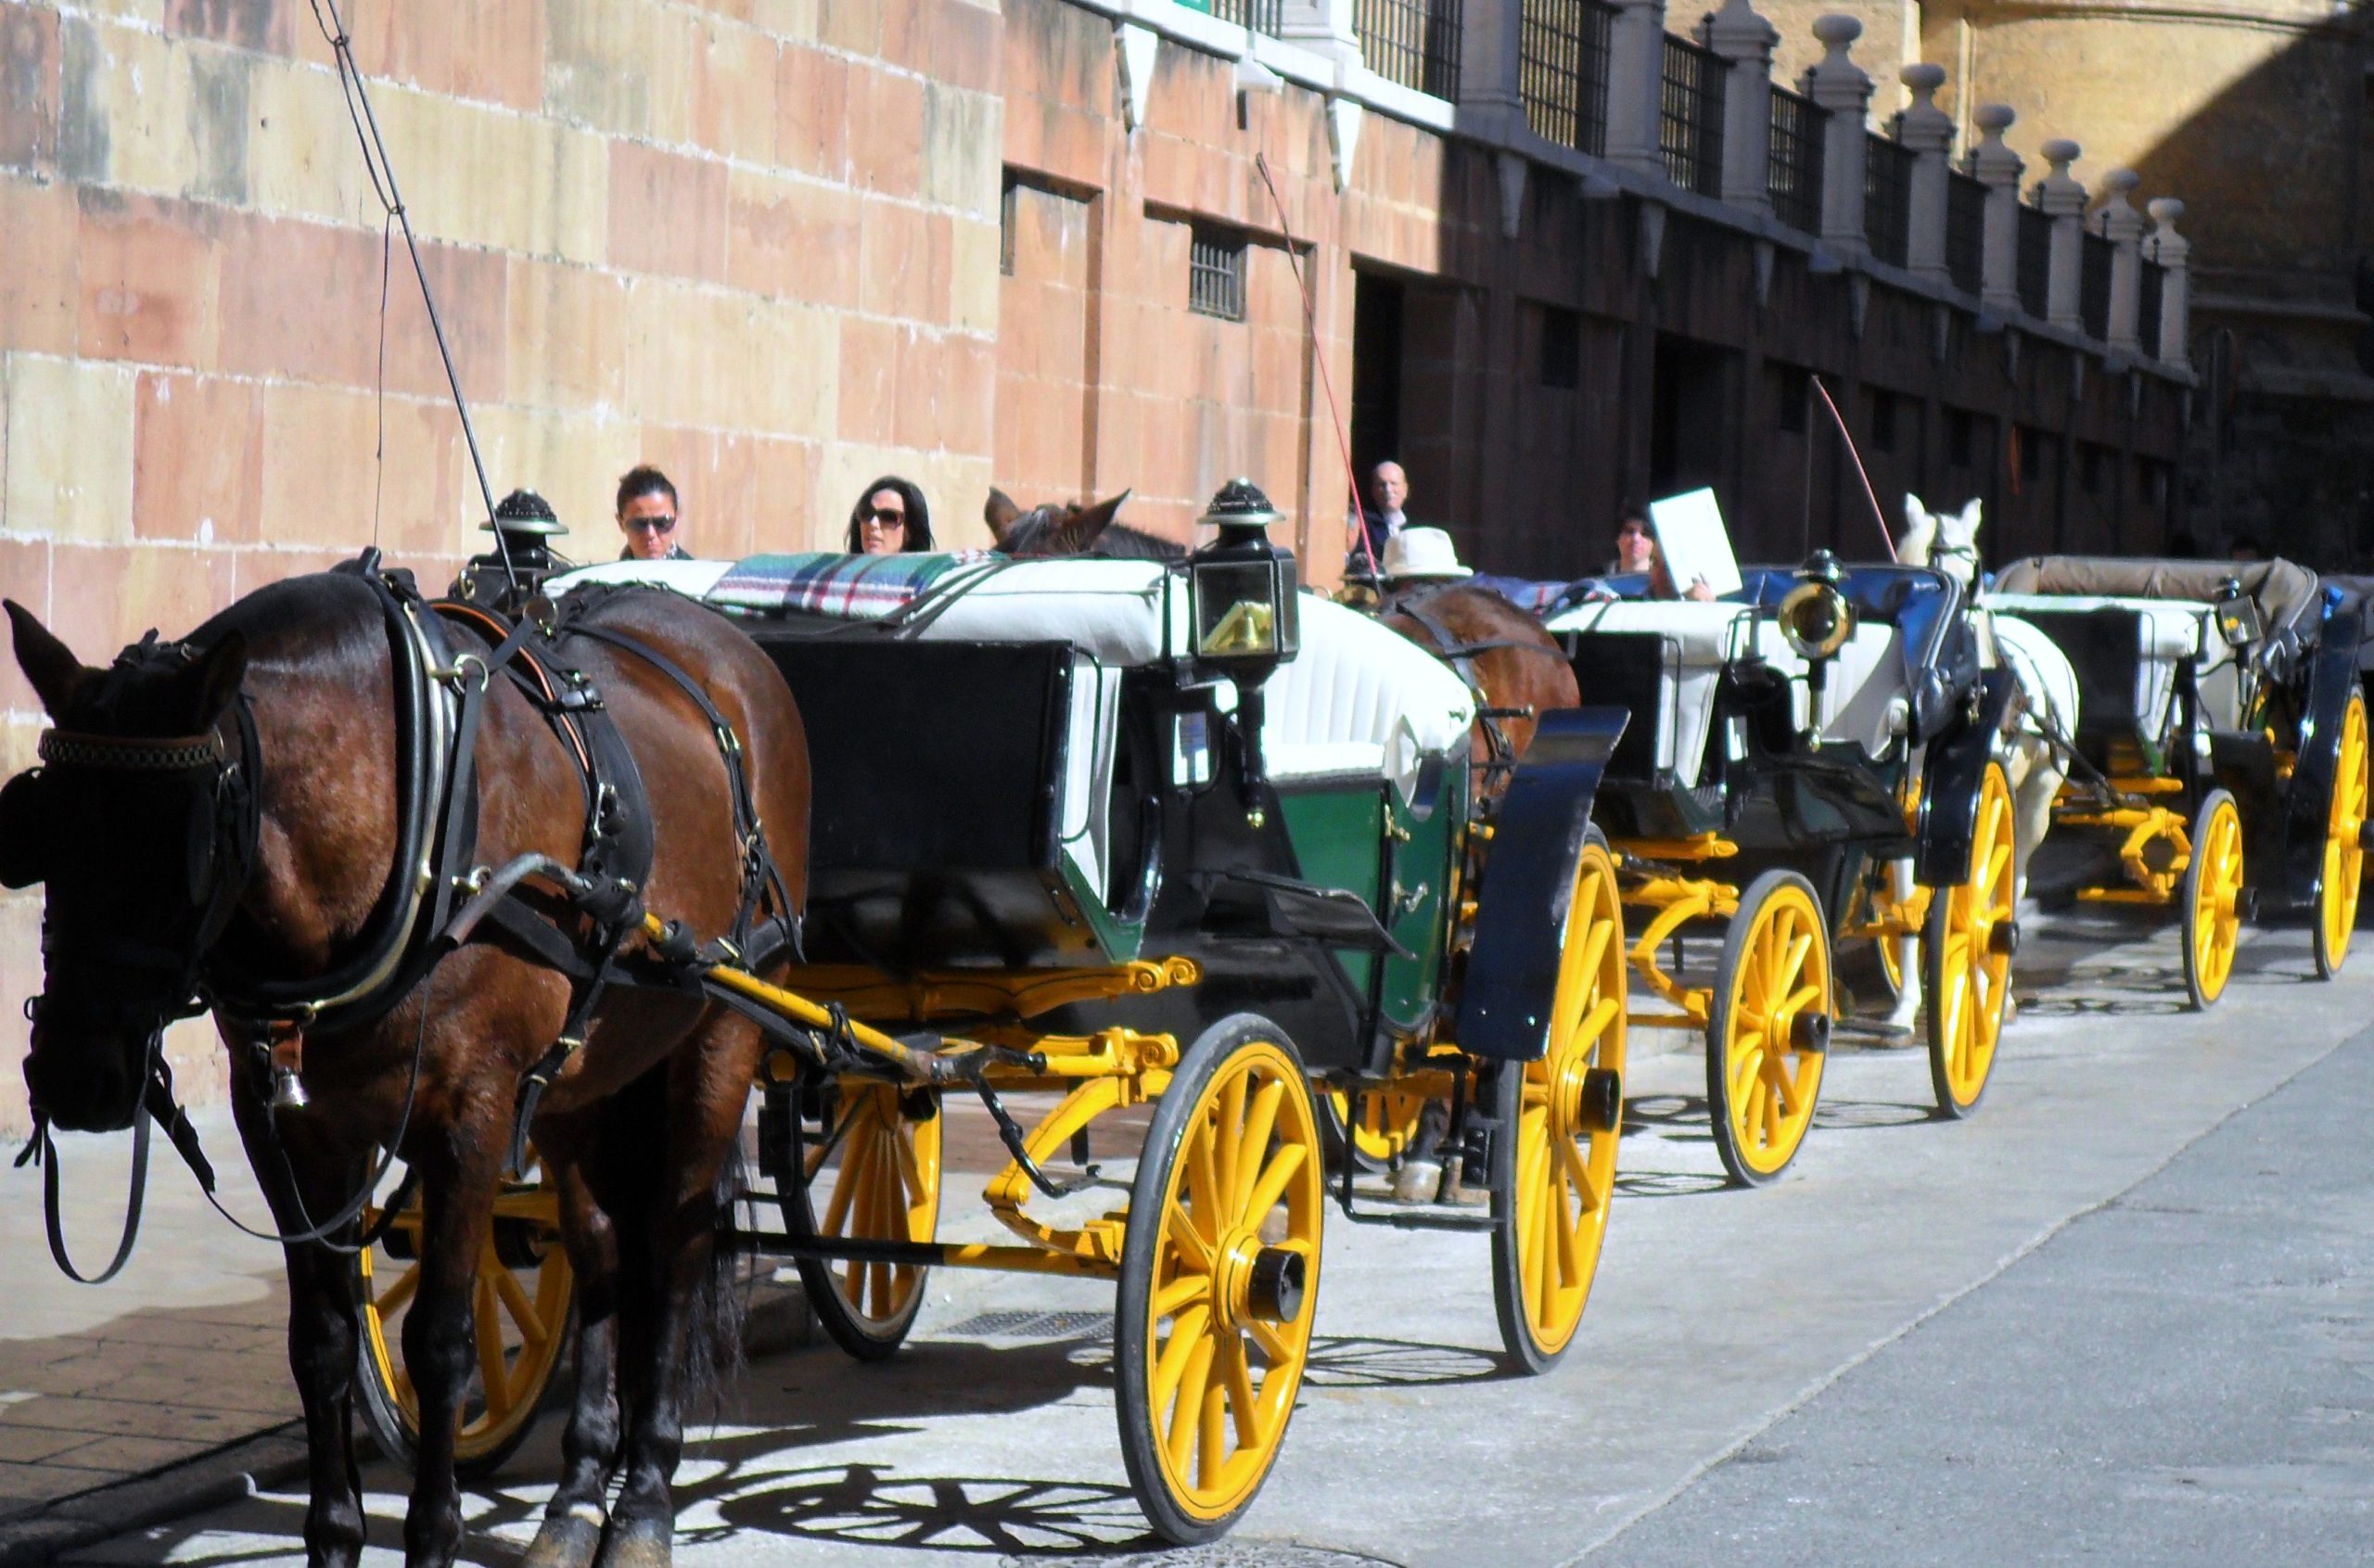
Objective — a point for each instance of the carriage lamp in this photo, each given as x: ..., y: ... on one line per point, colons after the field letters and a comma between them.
x: 524, y: 525
x: 1243, y: 605
x: 1816, y: 619
x: 2238, y: 614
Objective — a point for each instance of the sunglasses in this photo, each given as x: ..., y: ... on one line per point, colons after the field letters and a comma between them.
x: 653, y: 525
x: 885, y: 515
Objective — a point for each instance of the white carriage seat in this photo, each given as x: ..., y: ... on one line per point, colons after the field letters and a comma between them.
x: 2170, y: 630
x: 1865, y: 699
x: 1361, y: 698
x: 1699, y: 640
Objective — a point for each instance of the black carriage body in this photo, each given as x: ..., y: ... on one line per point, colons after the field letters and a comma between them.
x: 1324, y: 903
x: 1785, y: 799
x: 2278, y: 759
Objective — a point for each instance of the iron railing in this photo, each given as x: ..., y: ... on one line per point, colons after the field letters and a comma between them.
x: 2094, y: 285
x: 1413, y: 42
x: 1261, y: 15
x: 1887, y: 198
x: 1966, y: 231
x: 2036, y: 261
x: 1562, y: 71
x: 1793, y: 164
x: 1690, y: 116
x: 2147, y: 326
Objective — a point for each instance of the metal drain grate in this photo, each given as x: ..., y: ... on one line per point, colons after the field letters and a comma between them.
x: 1035, y: 1325
x: 1229, y: 1554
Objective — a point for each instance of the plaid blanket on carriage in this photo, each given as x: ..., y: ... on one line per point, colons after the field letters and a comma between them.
x: 854, y: 587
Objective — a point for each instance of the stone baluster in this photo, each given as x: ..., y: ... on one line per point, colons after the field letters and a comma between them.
x: 2059, y: 195
x: 1324, y: 27
x: 2172, y: 251
x: 1840, y: 86
x: 1745, y: 40
x: 1636, y: 74
x: 2122, y: 226
x: 1999, y: 168
x: 1927, y: 132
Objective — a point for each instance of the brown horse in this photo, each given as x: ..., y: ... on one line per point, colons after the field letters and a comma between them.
x: 1072, y: 528
x: 288, y: 705
x: 1515, y: 669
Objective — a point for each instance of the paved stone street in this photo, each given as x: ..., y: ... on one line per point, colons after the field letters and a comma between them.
x: 2121, y: 1316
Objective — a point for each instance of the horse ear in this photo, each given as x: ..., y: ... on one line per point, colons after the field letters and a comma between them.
x: 49, y: 664
x: 213, y: 679
x: 1920, y: 532
x: 1974, y: 514
x: 1915, y: 512
x: 1083, y: 527
x: 1000, y: 511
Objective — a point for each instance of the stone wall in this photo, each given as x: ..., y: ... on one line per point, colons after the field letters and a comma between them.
x: 753, y: 241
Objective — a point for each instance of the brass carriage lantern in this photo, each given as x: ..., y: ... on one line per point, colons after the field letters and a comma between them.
x: 1817, y: 618
x: 1245, y: 605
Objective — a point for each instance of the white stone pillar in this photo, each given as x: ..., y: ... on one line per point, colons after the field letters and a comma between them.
x: 1745, y: 40
x: 1324, y: 27
x: 1636, y: 74
x: 1998, y: 168
x: 2059, y: 195
x: 2122, y: 226
x: 1490, y: 96
x: 1928, y: 131
x: 1839, y: 86
x: 2171, y: 250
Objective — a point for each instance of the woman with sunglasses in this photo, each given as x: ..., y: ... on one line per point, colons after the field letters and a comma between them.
x: 647, y: 516
x: 890, y: 519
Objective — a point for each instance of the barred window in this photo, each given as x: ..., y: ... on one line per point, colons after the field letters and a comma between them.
x: 1216, y: 273
x: 1007, y: 202
x: 1561, y: 347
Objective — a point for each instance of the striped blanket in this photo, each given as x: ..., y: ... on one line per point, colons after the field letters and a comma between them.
x: 856, y: 587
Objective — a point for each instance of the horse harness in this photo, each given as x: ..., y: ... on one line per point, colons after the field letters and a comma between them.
x: 1461, y: 656
x: 447, y: 654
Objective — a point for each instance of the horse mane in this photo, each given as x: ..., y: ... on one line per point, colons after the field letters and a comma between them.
x: 1058, y: 528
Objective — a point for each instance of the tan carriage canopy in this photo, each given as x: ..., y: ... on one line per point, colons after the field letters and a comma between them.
x: 2283, y: 592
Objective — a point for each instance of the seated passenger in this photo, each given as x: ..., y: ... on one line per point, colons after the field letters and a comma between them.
x: 1417, y: 556
x: 891, y: 519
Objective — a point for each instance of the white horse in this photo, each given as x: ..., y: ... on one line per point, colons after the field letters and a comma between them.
x: 2034, y: 764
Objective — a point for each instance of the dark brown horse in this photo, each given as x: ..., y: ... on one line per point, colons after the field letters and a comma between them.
x: 1516, y: 669
x: 298, y: 684
x: 1072, y: 528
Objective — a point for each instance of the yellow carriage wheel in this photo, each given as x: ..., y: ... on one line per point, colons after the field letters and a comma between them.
x: 1966, y: 951
x: 2213, y: 898
x: 519, y: 1317
x: 1219, y: 1278
x: 1554, y: 1158
x: 1375, y: 1126
x: 1770, y: 1027
x: 2345, y: 853
x: 871, y: 1172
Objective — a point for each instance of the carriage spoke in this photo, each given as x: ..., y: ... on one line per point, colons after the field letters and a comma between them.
x: 523, y: 1311
x: 1180, y: 1231
x: 1272, y: 1184
x: 1272, y: 1341
x: 1187, y: 1413
x: 1577, y: 1166
x: 488, y: 1327
x: 1211, y: 1436
x: 1227, y: 1145
x: 1595, y: 1023
x: 1254, y: 1144
x: 1236, y: 1376
x: 1181, y: 1292
x: 392, y: 1300
x: 1186, y: 1333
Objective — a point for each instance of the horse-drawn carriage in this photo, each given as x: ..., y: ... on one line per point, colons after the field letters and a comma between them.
x: 1790, y: 743
x: 2220, y: 763
x: 1130, y: 835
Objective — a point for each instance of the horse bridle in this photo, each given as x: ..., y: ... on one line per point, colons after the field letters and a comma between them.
x: 1461, y: 656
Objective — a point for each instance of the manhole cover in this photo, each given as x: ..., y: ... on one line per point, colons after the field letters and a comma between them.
x: 1034, y: 1325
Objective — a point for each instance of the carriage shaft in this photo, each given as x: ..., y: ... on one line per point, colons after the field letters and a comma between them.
x: 926, y: 1255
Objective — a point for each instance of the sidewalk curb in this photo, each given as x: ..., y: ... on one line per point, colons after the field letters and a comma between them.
x: 223, y: 1475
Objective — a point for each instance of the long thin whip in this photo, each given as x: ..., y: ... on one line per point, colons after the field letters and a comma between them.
x: 1860, y: 472
x: 1310, y: 320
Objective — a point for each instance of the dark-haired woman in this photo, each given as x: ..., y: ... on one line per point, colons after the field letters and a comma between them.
x: 647, y: 516
x: 890, y: 517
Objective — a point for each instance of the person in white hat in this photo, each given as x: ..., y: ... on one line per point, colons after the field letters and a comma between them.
x: 1420, y: 555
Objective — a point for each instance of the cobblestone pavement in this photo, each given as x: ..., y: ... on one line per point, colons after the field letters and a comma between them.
x: 1718, y: 1316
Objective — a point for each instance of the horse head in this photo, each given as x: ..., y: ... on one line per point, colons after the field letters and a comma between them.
x: 127, y: 824
x: 1071, y: 529
x: 1947, y: 541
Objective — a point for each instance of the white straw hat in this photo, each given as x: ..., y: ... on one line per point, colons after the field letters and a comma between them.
x: 1421, y: 552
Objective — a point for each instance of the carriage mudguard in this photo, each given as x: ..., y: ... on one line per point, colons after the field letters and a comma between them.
x: 2307, y: 805
x: 1957, y: 772
x: 1538, y: 841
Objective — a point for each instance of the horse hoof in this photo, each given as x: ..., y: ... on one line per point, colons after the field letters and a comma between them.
x: 566, y: 1540
x: 636, y: 1543
x: 1418, y: 1182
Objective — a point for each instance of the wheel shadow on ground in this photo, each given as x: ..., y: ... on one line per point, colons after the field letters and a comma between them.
x: 1682, y: 1118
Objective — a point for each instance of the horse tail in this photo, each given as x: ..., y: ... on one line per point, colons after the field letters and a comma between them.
x: 715, y: 1356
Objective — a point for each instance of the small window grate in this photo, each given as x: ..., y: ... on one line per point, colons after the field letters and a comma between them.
x: 1216, y: 273
x: 1034, y: 1325
x: 1009, y: 205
